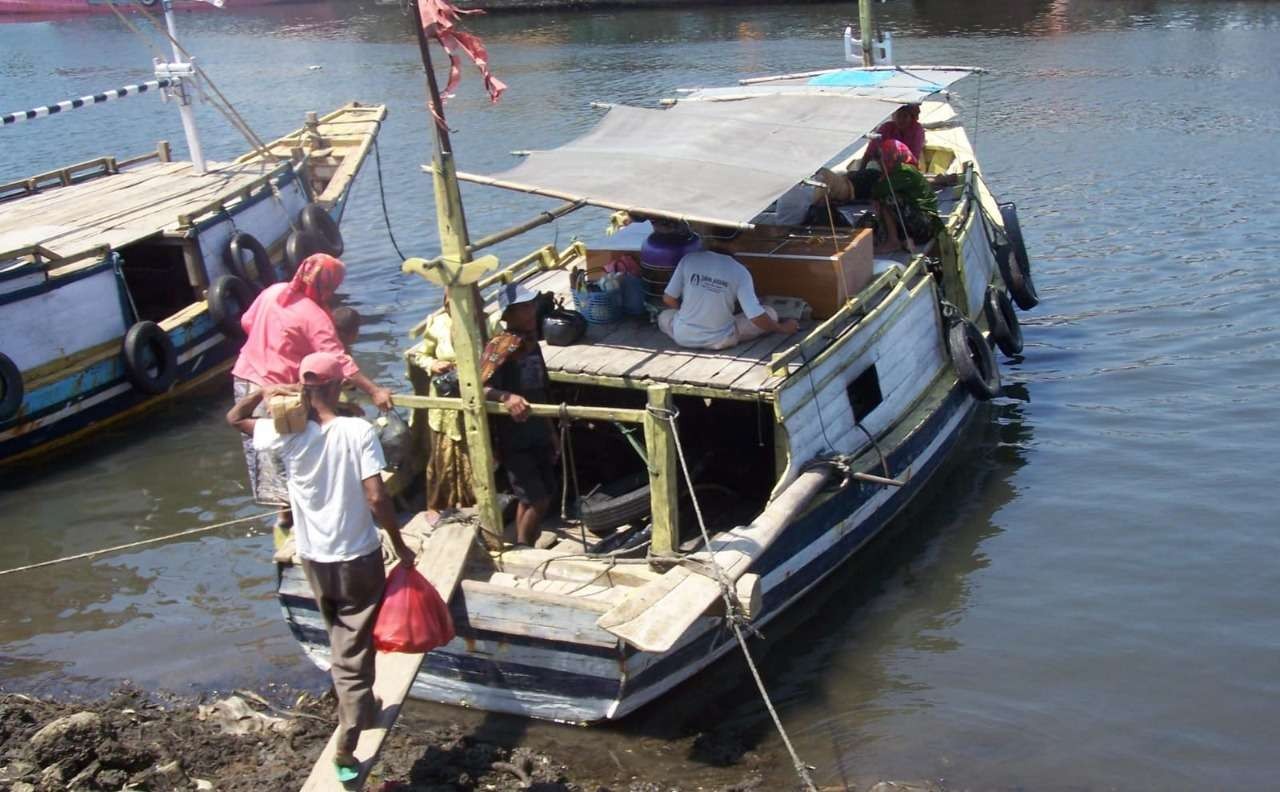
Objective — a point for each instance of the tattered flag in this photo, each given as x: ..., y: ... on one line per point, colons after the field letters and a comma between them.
x: 438, y: 21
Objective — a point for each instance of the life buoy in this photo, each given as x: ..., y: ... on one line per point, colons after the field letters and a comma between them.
x: 315, y: 219
x: 150, y: 359
x: 972, y: 358
x: 261, y: 273
x: 229, y: 297
x: 1003, y: 321
x: 11, y: 391
x: 1016, y: 271
x: 300, y: 244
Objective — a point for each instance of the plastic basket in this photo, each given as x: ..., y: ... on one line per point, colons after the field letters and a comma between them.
x: 599, y: 307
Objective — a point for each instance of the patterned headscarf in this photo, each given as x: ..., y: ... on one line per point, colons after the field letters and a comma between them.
x: 894, y: 153
x: 317, y: 277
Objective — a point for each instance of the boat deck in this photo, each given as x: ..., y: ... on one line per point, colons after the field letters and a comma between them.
x: 635, y: 351
x: 119, y: 208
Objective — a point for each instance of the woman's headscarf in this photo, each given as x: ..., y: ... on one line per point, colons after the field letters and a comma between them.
x: 317, y: 277
x: 894, y: 153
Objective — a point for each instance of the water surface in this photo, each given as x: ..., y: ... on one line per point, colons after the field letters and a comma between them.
x: 1086, y: 599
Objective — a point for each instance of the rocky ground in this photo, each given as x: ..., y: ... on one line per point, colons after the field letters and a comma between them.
x: 132, y: 740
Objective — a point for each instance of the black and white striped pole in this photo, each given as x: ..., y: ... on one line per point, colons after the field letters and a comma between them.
x: 84, y: 101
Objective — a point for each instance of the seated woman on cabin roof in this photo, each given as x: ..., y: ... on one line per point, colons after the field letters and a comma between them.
x: 700, y: 298
x: 287, y: 322
x: 905, y: 127
x: 906, y: 205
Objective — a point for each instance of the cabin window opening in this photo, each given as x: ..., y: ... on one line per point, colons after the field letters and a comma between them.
x: 864, y: 393
x: 155, y: 274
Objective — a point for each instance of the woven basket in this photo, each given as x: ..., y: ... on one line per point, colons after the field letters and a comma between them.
x: 599, y: 307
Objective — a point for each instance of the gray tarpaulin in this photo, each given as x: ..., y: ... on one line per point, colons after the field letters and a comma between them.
x: 716, y: 160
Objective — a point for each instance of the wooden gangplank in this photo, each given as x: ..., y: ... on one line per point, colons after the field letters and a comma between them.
x: 441, y: 561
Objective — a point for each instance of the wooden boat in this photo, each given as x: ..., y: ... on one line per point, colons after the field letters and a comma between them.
x: 117, y: 290
x: 800, y: 449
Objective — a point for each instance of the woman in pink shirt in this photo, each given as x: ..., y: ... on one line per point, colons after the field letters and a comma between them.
x: 287, y: 322
x: 904, y: 126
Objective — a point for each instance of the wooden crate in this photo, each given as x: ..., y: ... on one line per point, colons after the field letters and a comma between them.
x: 814, y: 271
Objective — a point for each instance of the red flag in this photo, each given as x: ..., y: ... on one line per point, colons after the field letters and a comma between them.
x: 438, y: 19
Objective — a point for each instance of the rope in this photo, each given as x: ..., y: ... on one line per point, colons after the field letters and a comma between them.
x: 386, y: 217
x: 733, y: 608
x: 154, y: 540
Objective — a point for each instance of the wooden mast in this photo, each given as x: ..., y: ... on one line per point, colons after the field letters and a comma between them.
x: 458, y: 274
x: 864, y: 28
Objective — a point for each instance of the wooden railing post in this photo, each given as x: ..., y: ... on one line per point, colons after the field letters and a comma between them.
x: 664, y: 471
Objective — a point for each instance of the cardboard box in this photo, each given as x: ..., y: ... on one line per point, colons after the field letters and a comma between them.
x: 813, y: 270
x: 289, y: 413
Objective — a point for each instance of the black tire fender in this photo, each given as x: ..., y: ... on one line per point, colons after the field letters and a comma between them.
x: 1016, y: 271
x: 1006, y: 331
x: 602, y: 513
x: 11, y: 389
x: 229, y: 297
x: 144, y: 337
x: 975, y: 365
x: 262, y: 274
x: 315, y: 219
x: 300, y: 244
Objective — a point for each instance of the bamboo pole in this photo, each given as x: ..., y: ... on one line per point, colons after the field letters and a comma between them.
x: 864, y: 27
x: 467, y: 332
x: 582, y: 412
x: 664, y: 473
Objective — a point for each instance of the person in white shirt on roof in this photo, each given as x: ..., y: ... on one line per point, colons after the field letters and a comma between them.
x: 336, y: 491
x: 700, y: 299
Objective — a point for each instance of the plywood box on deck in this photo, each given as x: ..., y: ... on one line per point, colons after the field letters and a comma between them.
x: 813, y: 270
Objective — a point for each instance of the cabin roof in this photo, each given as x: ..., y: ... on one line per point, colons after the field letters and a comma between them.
x: 721, y: 156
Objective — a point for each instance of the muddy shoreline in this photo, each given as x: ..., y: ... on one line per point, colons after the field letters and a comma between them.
x: 245, y: 741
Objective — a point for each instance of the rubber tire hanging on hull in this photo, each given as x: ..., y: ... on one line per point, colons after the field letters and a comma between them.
x: 229, y: 297
x: 315, y: 219
x: 143, y: 336
x: 1006, y: 331
x: 1016, y: 272
x: 11, y: 391
x: 300, y: 244
x: 240, y: 243
x: 971, y: 355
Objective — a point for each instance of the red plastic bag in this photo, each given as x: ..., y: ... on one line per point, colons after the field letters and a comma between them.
x: 413, y: 618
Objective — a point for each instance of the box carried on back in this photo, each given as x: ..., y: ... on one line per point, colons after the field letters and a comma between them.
x: 289, y: 413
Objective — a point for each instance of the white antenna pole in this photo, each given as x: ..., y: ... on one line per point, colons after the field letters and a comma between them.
x: 185, y: 77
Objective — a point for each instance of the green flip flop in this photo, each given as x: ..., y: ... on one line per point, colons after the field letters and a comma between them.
x: 347, y: 773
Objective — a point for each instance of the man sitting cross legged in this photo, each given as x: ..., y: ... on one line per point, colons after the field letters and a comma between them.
x: 700, y: 299
x: 336, y: 491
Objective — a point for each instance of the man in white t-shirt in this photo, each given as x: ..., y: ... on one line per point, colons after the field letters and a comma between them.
x: 336, y: 491
x: 700, y: 298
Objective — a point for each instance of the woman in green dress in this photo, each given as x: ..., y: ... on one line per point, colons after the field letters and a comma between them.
x: 449, y: 467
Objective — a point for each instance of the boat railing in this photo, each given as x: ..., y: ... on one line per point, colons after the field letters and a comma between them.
x: 38, y: 257
x: 223, y: 203
x: 80, y: 172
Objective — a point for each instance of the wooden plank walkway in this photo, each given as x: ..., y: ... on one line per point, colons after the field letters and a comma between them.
x: 442, y: 561
x: 119, y: 208
x: 635, y: 349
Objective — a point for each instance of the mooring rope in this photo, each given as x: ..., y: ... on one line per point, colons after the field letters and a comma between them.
x: 382, y: 194
x: 153, y: 540
x: 733, y: 608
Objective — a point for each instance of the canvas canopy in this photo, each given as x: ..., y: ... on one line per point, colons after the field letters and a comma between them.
x: 719, y: 160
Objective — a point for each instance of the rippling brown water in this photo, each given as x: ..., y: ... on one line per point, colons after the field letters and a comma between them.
x: 1086, y: 600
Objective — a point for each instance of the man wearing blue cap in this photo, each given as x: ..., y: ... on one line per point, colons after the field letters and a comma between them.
x: 514, y: 372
